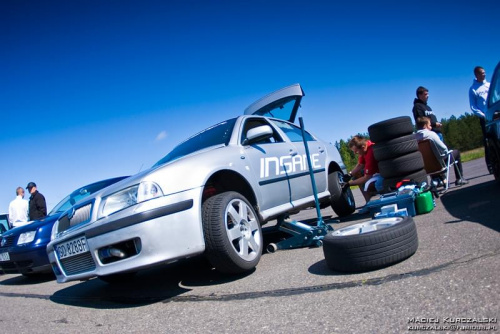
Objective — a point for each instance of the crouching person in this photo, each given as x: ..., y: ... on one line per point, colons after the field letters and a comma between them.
x: 369, y: 180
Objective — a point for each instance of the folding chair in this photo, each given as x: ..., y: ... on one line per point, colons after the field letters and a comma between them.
x: 436, y: 163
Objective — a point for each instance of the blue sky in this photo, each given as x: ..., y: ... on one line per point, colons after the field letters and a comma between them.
x: 96, y: 89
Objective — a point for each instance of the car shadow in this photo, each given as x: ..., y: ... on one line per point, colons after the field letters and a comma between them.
x: 149, y: 286
x: 477, y: 203
x: 29, y: 280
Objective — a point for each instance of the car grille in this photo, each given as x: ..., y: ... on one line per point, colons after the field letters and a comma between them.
x: 80, y: 216
x: 7, y: 241
x: 78, y: 264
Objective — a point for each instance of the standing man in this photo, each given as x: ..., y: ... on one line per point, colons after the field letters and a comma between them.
x: 478, y: 94
x: 421, y: 109
x: 38, y: 208
x: 18, y: 209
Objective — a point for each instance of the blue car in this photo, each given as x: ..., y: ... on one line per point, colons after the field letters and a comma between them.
x: 4, y: 223
x: 493, y: 123
x: 23, y: 249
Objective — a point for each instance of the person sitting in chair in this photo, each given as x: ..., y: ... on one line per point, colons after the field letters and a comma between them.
x: 424, y: 132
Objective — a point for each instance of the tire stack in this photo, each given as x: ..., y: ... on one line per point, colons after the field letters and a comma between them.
x: 396, y: 150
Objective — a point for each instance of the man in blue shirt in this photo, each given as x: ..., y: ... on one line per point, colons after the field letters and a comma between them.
x: 478, y: 95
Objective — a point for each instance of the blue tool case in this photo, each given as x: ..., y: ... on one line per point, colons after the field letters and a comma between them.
x: 403, y: 200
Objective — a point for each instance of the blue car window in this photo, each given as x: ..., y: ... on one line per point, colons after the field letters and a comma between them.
x: 294, y: 133
x: 68, y: 201
x: 219, y: 134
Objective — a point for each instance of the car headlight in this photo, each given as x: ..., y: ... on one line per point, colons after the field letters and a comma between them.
x: 26, y: 237
x: 128, y: 197
x: 55, y: 227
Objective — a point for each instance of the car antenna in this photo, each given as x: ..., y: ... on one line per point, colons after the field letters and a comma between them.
x: 140, y: 167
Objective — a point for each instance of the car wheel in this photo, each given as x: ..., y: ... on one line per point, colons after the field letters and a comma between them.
x: 370, y: 245
x: 341, y: 199
x: 233, y: 235
x: 118, y: 278
x: 495, y: 162
x: 390, y: 129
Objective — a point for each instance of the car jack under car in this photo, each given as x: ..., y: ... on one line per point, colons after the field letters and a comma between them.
x: 300, y: 234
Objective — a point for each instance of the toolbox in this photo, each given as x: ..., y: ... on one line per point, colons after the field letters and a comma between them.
x: 403, y: 200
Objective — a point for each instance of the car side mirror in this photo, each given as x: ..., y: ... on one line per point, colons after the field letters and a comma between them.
x: 258, y: 134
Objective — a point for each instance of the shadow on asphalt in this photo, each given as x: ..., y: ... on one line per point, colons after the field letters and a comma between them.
x: 147, y: 287
x: 465, y: 204
x: 29, y: 280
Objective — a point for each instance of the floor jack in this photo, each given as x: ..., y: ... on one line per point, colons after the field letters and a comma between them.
x: 301, y: 235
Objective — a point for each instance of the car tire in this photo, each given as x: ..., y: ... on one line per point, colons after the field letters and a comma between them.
x: 390, y: 129
x: 395, y: 147
x: 118, y: 278
x: 418, y: 176
x: 387, y: 241
x: 341, y: 198
x: 400, y: 166
x: 495, y: 161
x: 233, y: 233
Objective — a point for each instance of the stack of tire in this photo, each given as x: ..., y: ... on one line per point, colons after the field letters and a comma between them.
x: 396, y: 150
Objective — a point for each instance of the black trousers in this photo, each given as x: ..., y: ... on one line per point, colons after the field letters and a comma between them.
x: 482, y: 121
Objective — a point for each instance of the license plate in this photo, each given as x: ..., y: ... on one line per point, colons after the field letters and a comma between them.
x: 4, y: 256
x: 72, y: 247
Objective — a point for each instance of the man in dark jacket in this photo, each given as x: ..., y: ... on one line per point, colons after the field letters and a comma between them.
x: 421, y: 109
x: 37, y: 205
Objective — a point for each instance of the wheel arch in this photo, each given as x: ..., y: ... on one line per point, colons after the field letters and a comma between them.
x: 229, y: 180
x: 334, y: 167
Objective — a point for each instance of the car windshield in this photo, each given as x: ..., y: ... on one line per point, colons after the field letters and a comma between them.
x: 83, y: 192
x: 218, y: 134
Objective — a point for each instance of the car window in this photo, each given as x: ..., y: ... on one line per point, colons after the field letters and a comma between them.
x: 256, y: 122
x: 494, y: 93
x: 219, y: 134
x: 294, y: 133
x: 68, y: 201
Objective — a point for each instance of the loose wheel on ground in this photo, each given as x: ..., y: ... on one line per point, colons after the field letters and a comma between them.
x: 370, y: 245
x: 400, y: 166
x: 390, y: 129
x: 395, y: 147
x: 233, y: 235
x: 418, y: 176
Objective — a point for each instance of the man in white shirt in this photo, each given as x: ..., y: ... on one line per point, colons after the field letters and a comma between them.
x: 478, y: 95
x: 424, y: 132
x: 18, y: 209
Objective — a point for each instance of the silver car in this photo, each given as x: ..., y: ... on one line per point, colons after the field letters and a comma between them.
x: 211, y: 194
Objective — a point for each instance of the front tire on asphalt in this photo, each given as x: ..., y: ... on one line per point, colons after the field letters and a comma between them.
x: 233, y: 234
x: 341, y: 199
x: 371, y: 245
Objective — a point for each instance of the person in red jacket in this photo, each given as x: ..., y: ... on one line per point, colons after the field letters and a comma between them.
x: 369, y: 180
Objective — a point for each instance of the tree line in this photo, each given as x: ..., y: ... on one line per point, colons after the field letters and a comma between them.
x: 462, y: 133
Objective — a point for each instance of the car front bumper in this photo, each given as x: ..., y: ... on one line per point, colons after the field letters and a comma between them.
x: 25, y: 261
x: 158, y: 231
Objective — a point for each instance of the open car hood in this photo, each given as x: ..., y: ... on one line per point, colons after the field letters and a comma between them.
x: 282, y: 104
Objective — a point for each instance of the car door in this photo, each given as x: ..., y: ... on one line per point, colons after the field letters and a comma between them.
x: 300, y: 179
x: 268, y: 160
x: 283, y: 104
x: 493, y: 122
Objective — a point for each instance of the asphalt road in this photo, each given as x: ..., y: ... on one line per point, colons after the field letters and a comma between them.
x: 454, y: 274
